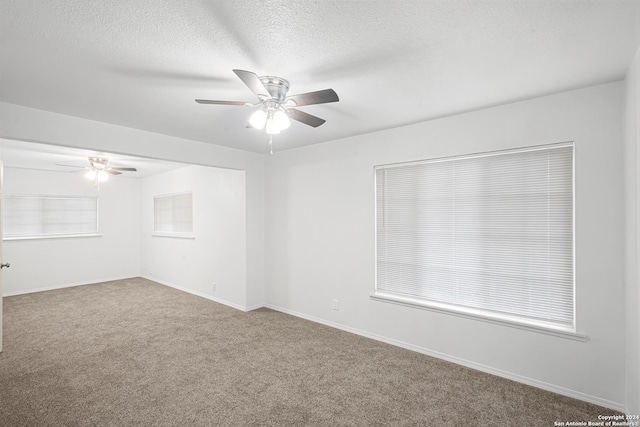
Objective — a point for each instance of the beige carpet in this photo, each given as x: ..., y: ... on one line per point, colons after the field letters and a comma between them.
x: 133, y: 352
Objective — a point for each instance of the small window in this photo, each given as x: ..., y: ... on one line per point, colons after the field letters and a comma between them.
x: 173, y: 215
x: 488, y: 235
x: 49, y: 216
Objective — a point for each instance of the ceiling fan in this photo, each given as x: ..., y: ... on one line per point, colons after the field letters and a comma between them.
x: 275, y: 106
x: 98, y: 169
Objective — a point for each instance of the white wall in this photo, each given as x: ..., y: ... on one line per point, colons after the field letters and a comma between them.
x: 49, y: 263
x: 319, y: 222
x: 632, y: 230
x: 217, y: 254
x: 28, y: 124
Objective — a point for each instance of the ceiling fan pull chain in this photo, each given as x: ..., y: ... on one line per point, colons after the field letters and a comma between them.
x: 271, y: 144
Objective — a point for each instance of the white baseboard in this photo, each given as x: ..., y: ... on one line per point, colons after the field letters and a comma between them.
x: 473, y: 365
x: 200, y: 294
x: 153, y: 279
x: 254, y: 307
x: 63, y: 285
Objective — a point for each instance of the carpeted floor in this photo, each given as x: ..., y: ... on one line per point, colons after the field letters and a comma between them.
x: 133, y: 352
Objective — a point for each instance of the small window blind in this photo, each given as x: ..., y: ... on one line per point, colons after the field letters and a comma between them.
x: 173, y: 213
x: 491, y: 233
x: 48, y: 216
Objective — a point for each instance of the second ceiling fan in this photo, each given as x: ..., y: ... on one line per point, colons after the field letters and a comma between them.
x: 275, y: 106
x: 98, y: 169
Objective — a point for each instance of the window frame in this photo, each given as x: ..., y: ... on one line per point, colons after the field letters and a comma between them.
x: 43, y: 197
x: 173, y: 234
x: 469, y: 312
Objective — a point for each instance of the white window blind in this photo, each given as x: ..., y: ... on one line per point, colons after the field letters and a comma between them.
x: 489, y: 233
x: 173, y: 213
x: 49, y: 216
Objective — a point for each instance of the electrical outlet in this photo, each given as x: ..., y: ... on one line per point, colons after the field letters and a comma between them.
x: 335, y: 305
x: 213, y: 287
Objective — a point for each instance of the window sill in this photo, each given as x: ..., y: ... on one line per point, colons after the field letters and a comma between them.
x: 472, y: 314
x: 174, y: 235
x: 57, y: 236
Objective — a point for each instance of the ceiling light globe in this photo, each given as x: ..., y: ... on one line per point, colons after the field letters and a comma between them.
x: 258, y: 119
x: 91, y: 174
x: 103, y: 176
x: 281, y: 120
x: 272, y: 128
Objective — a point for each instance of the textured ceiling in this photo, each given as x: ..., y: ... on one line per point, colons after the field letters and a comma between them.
x: 141, y: 63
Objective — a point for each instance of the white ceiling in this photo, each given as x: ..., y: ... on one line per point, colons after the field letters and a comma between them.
x: 141, y: 63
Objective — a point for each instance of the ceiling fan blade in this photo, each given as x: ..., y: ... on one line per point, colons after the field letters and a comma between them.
x: 124, y: 169
x: 210, y: 101
x: 254, y: 83
x: 310, y: 98
x: 112, y: 172
x: 305, y: 118
x: 71, y: 166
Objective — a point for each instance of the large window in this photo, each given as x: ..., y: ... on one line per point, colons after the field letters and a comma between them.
x: 487, y: 235
x: 173, y: 215
x: 49, y: 216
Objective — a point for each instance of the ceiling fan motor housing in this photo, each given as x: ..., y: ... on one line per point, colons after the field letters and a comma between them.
x: 277, y: 87
x: 98, y: 162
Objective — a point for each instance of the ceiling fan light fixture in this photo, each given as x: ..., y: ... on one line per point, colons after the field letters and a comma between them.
x: 281, y: 120
x: 258, y: 119
x: 272, y: 128
x: 91, y: 175
x: 102, y: 175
